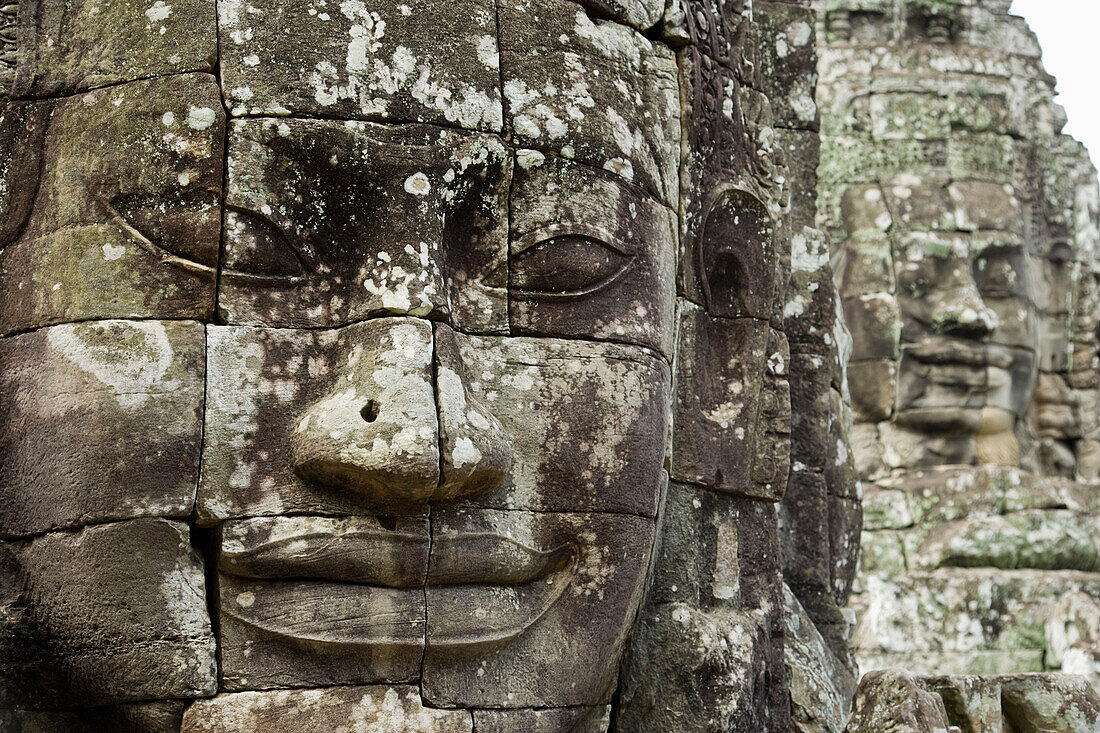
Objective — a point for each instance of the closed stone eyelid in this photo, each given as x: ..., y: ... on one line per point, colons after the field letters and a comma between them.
x: 588, y: 231
x: 596, y: 235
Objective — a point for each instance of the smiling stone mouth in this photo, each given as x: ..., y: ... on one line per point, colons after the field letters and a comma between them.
x: 355, y: 583
x: 955, y: 353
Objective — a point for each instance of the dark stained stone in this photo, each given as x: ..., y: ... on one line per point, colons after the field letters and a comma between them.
x: 313, y: 207
x: 731, y: 405
x: 545, y: 720
x: 788, y: 62
x: 109, y: 614
x: 142, y: 717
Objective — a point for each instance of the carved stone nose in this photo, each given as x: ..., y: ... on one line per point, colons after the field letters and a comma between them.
x: 965, y: 314
x: 380, y: 430
x: 377, y: 431
x: 476, y: 454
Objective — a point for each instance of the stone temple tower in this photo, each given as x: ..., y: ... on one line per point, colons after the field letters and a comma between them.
x: 964, y: 232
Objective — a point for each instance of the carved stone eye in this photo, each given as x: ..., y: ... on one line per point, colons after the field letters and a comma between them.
x: 566, y: 265
x: 264, y: 255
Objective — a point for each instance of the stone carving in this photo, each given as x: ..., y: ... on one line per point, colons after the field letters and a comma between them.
x: 964, y: 225
x: 416, y: 367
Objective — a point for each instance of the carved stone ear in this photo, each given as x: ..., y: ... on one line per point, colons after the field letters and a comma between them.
x: 737, y: 256
x: 22, y: 131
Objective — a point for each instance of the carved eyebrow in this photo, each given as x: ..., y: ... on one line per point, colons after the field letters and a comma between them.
x: 577, y: 229
x: 149, y: 245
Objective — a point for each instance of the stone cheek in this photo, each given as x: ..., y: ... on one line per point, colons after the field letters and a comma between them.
x: 729, y: 413
x: 110, y: 613
x: 563, y: 606
x: 103, y: 419
x: 962, y: 280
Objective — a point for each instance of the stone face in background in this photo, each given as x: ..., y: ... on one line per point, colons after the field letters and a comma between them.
x: 126, y: 219
x: 110, y: 613
x: 1039, y: 703
x: 389, y: 708
x: 965, y: 228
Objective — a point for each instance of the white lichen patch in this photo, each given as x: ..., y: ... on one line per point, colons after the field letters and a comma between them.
x: 132, y: 358
x: 113, y: 252
x: 418, y: 184
x: 201, y: 118
x: 158, y: 12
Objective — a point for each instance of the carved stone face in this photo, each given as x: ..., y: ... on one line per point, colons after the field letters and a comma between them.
x: 968, y: 342
x: 435, y: 397
x: 945, y: 329
x: 435, y: 425
x: 379, y: 325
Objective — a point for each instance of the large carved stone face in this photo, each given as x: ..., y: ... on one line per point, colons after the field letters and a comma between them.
x: 389, y: 334
x: 968, y: 342
x: 540, y: 458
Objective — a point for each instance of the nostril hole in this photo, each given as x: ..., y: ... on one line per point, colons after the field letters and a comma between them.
x: 370, y: 411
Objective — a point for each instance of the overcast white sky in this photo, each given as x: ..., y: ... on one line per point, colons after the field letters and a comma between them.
x: 1068, y: 33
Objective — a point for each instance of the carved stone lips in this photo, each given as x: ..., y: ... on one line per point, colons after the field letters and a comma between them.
x: 960, y: 353
x: 354, y: 581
